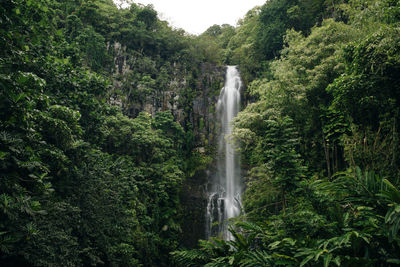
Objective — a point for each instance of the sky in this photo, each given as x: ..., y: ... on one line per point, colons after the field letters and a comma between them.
x: 195, y: 16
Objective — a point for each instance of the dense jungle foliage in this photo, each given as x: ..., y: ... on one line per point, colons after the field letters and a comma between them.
x: 82, y: 183
x: 89, y: 179
x: 320, y: 139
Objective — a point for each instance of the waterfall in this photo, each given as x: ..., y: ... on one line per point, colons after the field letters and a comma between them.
x: 224, y: 199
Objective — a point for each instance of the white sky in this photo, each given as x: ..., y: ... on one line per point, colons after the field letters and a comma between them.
x: 195, y: 16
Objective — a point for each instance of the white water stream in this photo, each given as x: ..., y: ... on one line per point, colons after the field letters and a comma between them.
x: 224, y: 200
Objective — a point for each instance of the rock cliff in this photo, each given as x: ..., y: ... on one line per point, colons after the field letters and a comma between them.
x: 191, y: 95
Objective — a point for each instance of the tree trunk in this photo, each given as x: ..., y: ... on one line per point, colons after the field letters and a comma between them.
x: 327, y: 157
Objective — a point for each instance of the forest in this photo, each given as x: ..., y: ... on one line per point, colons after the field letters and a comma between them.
x: 107, y: 119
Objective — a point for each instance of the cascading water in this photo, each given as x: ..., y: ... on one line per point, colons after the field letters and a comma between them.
x: 224, y: 198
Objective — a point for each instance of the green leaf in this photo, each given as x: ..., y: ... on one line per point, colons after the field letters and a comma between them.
x: 327, y: 260
x: 274, y: 245
x: 319, y: 254
x: 307, y: 259
x: 337, y: 261
x: 396, y: 261
x: 3, y: 155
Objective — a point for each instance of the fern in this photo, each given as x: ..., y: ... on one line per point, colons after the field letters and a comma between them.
x: 391, y: 192
x: 192, y: 257
x: 257, y: 258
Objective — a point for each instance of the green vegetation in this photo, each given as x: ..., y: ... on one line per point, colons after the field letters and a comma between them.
x: 320, y: 139
x: 81, y: 183
x: 97, y: 134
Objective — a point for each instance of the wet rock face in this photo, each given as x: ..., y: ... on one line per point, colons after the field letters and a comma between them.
x: 191, y: 96
x: 204, y: 117
x: 120, y: 58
